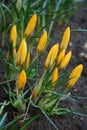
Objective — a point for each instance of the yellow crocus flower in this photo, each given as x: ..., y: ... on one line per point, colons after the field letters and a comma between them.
x: 22, y: 51
x: 21, y: 80
x: 65, y: 39
x: 74, y: 76
x: 30, y: 26
x: 28, y: 60
x: 60, y: 56
x: 42, y: 42
x: 13, y: 35
x: 54, y: 76
x: 51, y: 56
x: 65, y: 60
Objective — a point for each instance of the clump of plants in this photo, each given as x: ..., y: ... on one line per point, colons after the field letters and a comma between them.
x: 22, y: 67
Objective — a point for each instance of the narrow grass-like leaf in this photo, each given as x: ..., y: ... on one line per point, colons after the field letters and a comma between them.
x: 2, y: 120
x: 13, y: 122
x: 45, y: 114
x: 29, y: 122
x: 6, y: 7
x: 48, y: 119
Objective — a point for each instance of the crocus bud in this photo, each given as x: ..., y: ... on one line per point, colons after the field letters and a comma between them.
x: 19, y: 4
x: 34, y: 93
x: 51, y: 56
x: 66, y: 60
x: 28, y: 60
x: 54, y: 76
x: 65, y: 39
x: 60, y: 56
x: 7, y: 56
x: 42, y: 42
x: 14, y: 53
x: 30, y: 26
x: 21, y: 80
x: 22, y: 51
x: 74, y: 76
x: 13, y: 36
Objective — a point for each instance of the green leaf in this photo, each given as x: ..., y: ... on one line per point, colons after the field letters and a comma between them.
x: 14, y: 122
x: 29, y: 122
x: 3, y: 119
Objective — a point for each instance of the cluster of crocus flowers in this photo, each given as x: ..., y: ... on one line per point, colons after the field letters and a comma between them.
x: 56, y: 61
x: 63, y: 58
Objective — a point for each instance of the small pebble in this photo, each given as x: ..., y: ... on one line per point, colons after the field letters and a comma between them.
x: 85, y: 46
x: 82, y: 54
x: 75, y: 90
x: 70, y: 43
x: 81, y: 119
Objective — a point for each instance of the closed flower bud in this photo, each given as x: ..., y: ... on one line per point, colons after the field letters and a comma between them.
x: 28, y: 60
x: 54, y: 76
x: 14, y: 53
x: 60, y: 56
x: 66, y: 60
x: 7, y: 56
x: 13, y: 36
x: 65, y: 39
x: 22, y: 51
x: 74, y: 76
x: 21, y: 80
x: 34, y: 93
x: 19, y: 4
x: 42, y: 42
x: 31, y: 25
x: 51, y: 56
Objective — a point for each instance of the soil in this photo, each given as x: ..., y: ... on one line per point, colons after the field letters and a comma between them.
x: 78, y: 44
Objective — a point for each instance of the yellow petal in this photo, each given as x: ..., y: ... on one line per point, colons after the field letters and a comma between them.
x: 65, y: 39
x: 54, y: 76
x: 60, y: 56
x: 13, y: 36
x: 66, y: 60
x: 21, y: 80
x: 42, y: 42
x: 74, y: 76
x: 28, y: 60
x: 22, y: 51
x: 51, y: 56
x: 30, y: 26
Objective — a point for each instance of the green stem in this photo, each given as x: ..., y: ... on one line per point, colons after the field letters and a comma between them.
x: 54, y: 16
x: 43, y: 16
x: 38, y: 87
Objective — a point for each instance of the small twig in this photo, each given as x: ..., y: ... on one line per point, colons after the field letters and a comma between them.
x: 4, y: 82
x: 27, y: 109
